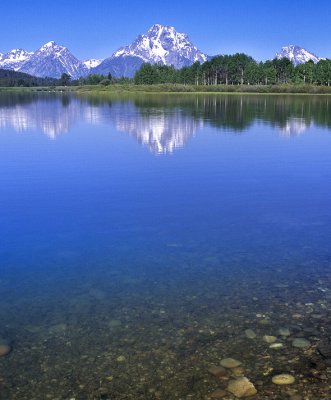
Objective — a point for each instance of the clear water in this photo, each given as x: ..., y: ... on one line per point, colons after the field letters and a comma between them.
x: 141, y: 235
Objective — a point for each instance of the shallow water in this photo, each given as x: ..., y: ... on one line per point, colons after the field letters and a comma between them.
x: 141, y: 235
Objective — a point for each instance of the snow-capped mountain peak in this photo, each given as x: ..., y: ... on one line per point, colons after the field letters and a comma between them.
x: 51, y: 48
x: 14, y: 59
x: 53, y: 60
x: 297, y: 54
x: 163, y: 44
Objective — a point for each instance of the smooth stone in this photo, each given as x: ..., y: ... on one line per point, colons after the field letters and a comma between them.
x: 238, y: 371
x: 241, y: 387
x: 4, y: 349
x: 114, y: 323
x: 217, y: 370
x: 283, y: 379
x: 300, y: 343
x: 324, y: 348
x: 269, y: 339
x: 284, y: 332
x: 250, y: 334
x: 276, y: 346
x: 218, y: 394
x: 230, y: 363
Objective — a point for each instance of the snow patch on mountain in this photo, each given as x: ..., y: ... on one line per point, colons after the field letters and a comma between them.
x: 14, y: 59
x: 93, y: 63
x: 297, y: 54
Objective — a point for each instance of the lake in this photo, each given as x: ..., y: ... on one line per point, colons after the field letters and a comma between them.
x: 146, y: 238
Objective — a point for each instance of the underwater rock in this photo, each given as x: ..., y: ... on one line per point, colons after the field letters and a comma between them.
x: 4, y: 349
x: 300, y: 343
x: 218, y: 394
x: 230, y: 363
x: 276, y: 346
x: 217, y: 370
x: 283, y: 379
x: 269, y: 339
x: 284, y: 332
x: 114, y: 323
x: 238, y: 371
x: 250, y: 334
x: 241, y: 387
x: 324, y: 348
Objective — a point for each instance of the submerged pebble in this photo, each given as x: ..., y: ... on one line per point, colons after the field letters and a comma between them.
x: 114, y: 323
x: 218, y: 394
x: 4, y: 349
x: 324, y: 348
x: 238, y: 371
x: 269, y: 339
x: 217, y: 370
x: 250, y: 334
x: 283, y: 379
x: 241, y: 387
x: 284, y: 331
x: 300, y: 343
x: 230, y: 363
x: 276, y: 346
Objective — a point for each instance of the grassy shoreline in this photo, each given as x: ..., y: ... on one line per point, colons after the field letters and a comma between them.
x: 176, y: 88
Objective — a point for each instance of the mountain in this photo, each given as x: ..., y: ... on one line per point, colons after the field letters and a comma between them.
x: 297, y: 54
x: 14, y: 59
x: 161, y: 44
x: 54, y: 60
x: 92, y: 63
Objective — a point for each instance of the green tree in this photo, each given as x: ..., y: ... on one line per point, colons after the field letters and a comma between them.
x: 65, y: 79
x: 146, y: 75
x: 323, y: 72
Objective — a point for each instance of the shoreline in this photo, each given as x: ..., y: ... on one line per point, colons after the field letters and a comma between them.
x: 180, y: 89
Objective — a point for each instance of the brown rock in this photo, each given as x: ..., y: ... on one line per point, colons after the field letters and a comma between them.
x: 217, y: 394
x: 230, y: 363
x: 241, y: 387
x: 238, y: 371
x: 217, y: 370
x: 4, y: 349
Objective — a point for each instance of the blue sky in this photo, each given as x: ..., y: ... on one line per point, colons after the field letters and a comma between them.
x: 95, y: 29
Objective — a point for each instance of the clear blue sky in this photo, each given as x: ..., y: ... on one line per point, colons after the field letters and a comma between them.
x: 94, y: 29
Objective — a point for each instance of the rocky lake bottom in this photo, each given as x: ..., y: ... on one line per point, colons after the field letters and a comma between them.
x: 150, y: 336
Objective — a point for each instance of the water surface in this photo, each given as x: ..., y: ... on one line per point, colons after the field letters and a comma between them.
x: 141, y: 235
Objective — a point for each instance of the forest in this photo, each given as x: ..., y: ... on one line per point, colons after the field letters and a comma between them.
x: 9, y: 78
x: 238, y: 69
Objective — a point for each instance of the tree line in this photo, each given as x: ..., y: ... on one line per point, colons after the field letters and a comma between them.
x: 237, y: 69
x: 9, y: 78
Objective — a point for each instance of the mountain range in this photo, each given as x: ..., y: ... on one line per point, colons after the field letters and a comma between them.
x: 297, y: 54
x: 161, y: 44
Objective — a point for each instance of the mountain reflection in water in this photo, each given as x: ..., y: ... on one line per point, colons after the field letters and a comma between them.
x: 163, y: 123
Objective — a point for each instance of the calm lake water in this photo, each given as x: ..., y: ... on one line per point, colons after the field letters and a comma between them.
x: 142, y: 236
